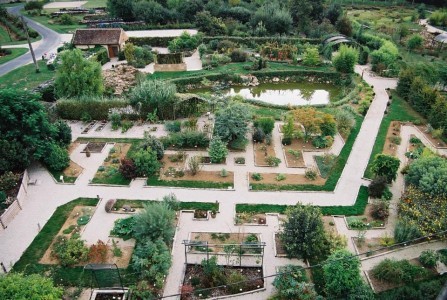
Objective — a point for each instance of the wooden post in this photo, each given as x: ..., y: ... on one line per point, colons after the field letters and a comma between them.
x: 25, y: 27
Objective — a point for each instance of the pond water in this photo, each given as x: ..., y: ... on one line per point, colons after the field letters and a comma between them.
x: 286, y: 93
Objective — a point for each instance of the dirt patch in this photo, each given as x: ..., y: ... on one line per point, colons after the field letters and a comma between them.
x: 368, y: 246
x: 434, y: 141
x: 73, y: 170
x: 70, y: 222
x: 94, y: 147
x: 271, y: 178
x: 251, y: 218
x: 279, y: 246
x: 73, y: 146
x: 177, y: 171
x: 262, y: 151
x: 329, y: 225
x: 393, y: 139
x: 294, y: 156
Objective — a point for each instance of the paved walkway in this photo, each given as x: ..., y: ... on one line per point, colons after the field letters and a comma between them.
x: 43, y: 198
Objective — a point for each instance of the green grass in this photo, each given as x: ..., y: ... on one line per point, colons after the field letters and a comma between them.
x: 153, y: 181
x: 334, y: 175
x: 29, y: 261
x: 325, y: 167
x: 232, y: 68
x: 115, y: 179
x: 67, y: 179
x: 49, y: 22
x: 26, y: 77
x: 183, y: 205
x: 399, y: 110
x: 357, y: 209
x: 275, y: 113
x: 95, y: 3
x: 16, y: 52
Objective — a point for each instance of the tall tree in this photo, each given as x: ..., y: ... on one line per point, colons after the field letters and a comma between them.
x: 232, y: 122
x: 310, y: 119
x: 121, y: 9
x: 77, y: 76
x: 303, y: 235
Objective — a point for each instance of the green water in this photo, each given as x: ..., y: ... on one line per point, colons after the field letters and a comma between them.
x: 285, y: 93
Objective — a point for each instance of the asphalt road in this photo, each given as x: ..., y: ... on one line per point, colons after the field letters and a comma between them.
x: 50, y: 41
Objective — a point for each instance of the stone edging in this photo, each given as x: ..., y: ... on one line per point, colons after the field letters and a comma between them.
x: 189, y: 188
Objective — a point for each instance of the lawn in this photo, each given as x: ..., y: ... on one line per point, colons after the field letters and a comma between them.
x: 26, y: 77
x: 95, y: 3
x: 399, y: 110
x: 357, y: 209
x: 154, y: 181
x: 183, y: 205
x: 16, y: 52
x: 49, y: 22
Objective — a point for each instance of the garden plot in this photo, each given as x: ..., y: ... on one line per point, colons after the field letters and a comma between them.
x: 283, y: 179
x: 432, y: 135
x: 246, y: 218
x: 393, y: 138
x: 108, y: 172
x: 263, y: 154
x: 369, y: 220
x: 218, y: 240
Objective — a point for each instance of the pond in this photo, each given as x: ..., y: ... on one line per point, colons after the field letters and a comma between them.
x: 302, y: 93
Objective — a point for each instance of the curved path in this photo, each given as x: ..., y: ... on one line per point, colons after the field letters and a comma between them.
x: 50, y: 41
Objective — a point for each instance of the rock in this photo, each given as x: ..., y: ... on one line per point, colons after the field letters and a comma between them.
x: 275, y: 79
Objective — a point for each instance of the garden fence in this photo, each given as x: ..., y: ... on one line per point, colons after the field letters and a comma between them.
x: 16, y: 206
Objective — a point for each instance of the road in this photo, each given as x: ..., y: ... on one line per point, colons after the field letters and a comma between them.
x: 50, y: 41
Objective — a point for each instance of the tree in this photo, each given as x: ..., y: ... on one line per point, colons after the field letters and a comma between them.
x: 185, y: 42
x: 438, y: 114
x: 275, y: 18
x: 25, y: 131
x: 345, y: 59
x: 385, y: 165
x: 150, y: 12
x: 344, y: 26
x: 209, y: 24
x: 146, y: 162
x: 35, y: 286
x: 405, y: 82
x: 345, y: 121
x: 384, y: 57
x: 155, y: 221
x: 121, y: 9
x: 377, y: 187
x: 77, y: 76
x: 310, y: 119
x: 155, y: 94
x: 311, y: 57
x: 128, y: 169
x: 154, y: 144
x: 303, y: 235
x: 232, y: 122
x: 334, y: 12
x: 217, y: 150
x: 342, y: 277
x: 429, y: 175
x: 63, y: 133
x: 57, y: 158
x: 304, y: 11
x: 328, y: 125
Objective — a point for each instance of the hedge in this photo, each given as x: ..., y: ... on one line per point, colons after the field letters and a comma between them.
x: 357, y: 209
x: 262, y: 40
x: 151, y: 41
x: 97, y: 109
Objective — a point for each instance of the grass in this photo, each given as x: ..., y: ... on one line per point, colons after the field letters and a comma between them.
x: 153, y: 181
x: 357, y: 209
x: 334, y: 175
x: 275, y: 113
x: 95, y: 3
x: 45, y: 21
x: 26, y: 77
x: 16, y: 52
x: 324, y: 166
x: 399, y: 110
x: 58, y: 174
x: 183, y: 205
x: 232, y: 68
x: 115, y: 179
x: 29, y: 261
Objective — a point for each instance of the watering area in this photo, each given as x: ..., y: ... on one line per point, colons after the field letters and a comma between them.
x: 295, y: 94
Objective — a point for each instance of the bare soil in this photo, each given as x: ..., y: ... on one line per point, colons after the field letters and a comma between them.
x: 73, y: 146
x: 291, y: 160
x: 261, y: 154
x: 270, y: 178
x: 253, y: 280
x: 252, y: 218
x: 327, y: 226
x: 370, y: 244
x: 94, y: 147
x: 279, y: 247
x: 73, y: 170
x: 390, y: 148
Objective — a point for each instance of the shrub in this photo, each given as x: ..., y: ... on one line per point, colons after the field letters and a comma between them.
x: 57, y: 158
x: 379, y: 210
x: 415, y: 41
x: 398, y: 271
x: 194, y: 164
x: 406, y: 231
x: 377, y: 187
x: 123, y: 228
x: 97, y: 253
x: 8, y: 181
x: 266, y: 124
x: 173, y: 126
x: 311, y: 57
x: 83, y: 220
x: 156, y: 220
x: 272, y: 161
x: 258, y: 135
x: 69, y: 251
x: 31, y: 5
x: 146, y: 163
x: 286, y: 141
x: 109, y: 205
x: 385, y: 165
x: 154, y: 144
x: 396, y: 140
x: 346, y: 59
x: 256, y: 176
x: 280, y: 177
x: 223, y: 173
x: 217, y: 150
x: 429, y: 258
x: 238, y: 55
x: 322, y: 141
x: 128, y: 169
x: 235, y: 282
x: 187, y: 139
x: 115, y: 119
x: 295, y: 153
x: 185, y: 42
x: 311, y: 174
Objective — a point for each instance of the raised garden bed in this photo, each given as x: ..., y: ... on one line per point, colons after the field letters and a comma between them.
x: 365, y: 221
x: 261, y: 152
x: 280, y: 251
x: 94, y: 147
x: 270, y: 180
x: 108, y: 172
x: 294, y: 156
x: 393, y: 138
x: 206, y: 160
x: 436, y: 142
x: 251, y: 219
x: 196, y: 280
x: 101, y: 126
x: 200, y: 214
x: 88, y: 127
x: 217, y: 241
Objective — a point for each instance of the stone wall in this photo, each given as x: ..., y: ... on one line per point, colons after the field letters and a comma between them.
x: 170, y: 67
